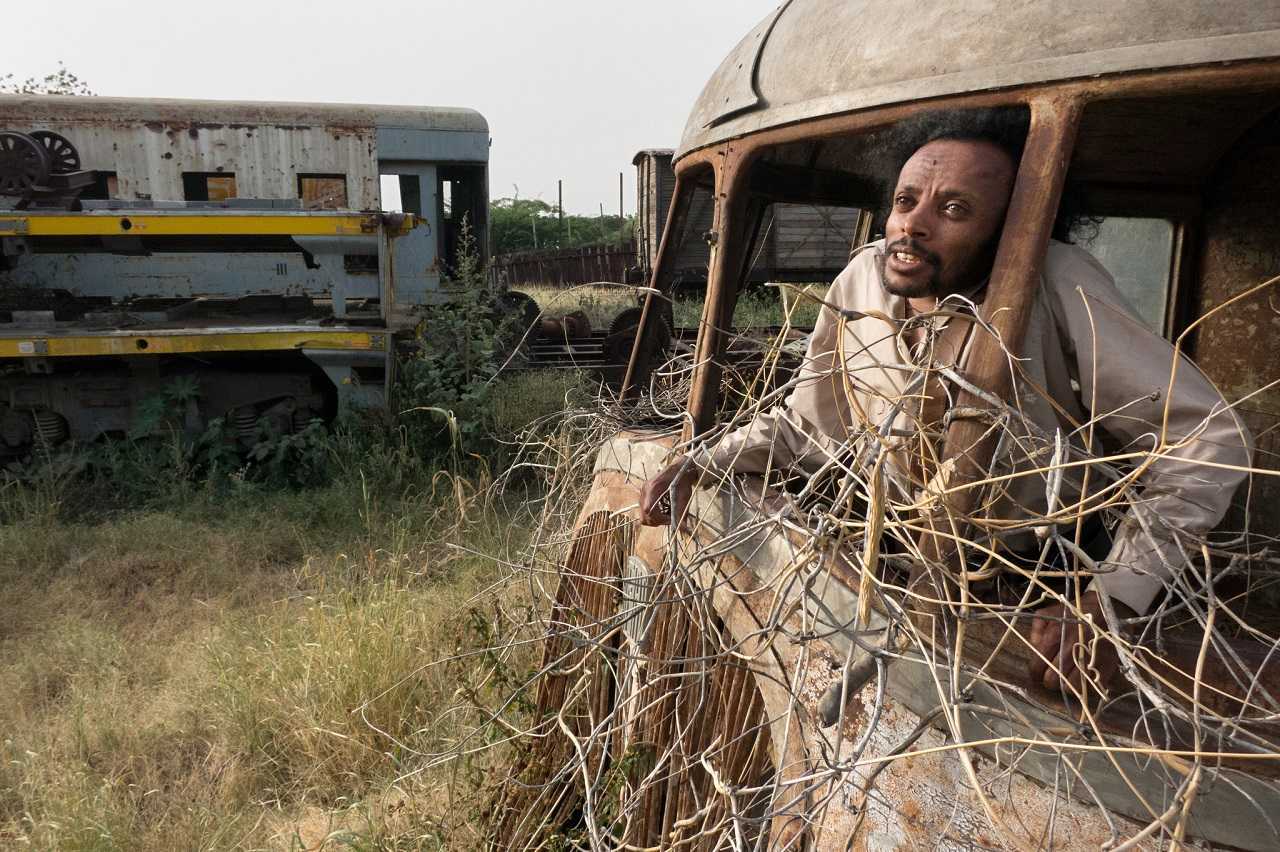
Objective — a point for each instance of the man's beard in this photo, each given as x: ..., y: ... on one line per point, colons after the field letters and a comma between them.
x: 975, y: 271
x: 931, y: 286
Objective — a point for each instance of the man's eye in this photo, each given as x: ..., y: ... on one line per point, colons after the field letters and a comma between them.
x: 956, y: 209
x: 902, y: 201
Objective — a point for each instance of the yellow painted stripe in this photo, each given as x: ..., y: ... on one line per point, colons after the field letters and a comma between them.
x: 191, y: 224
x: 173, y: 343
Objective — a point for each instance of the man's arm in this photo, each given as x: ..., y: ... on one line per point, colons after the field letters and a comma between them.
x: 779, y: 438
x: 1199, y: 447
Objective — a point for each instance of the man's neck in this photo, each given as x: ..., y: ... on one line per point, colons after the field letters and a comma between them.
x: 923, y: 305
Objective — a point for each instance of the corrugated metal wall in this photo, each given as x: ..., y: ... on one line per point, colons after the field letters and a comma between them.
x: 149, y: 160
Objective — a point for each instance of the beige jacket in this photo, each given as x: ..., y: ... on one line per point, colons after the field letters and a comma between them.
x: 1088, y: 351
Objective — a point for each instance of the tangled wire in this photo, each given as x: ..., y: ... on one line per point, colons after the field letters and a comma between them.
x: 793, y: 667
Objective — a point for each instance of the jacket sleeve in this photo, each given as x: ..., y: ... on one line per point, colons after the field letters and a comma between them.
x: 805, y: 427
x: 1151, y: 400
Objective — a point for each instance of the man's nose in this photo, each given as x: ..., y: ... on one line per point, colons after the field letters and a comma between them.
x: 917, y: 222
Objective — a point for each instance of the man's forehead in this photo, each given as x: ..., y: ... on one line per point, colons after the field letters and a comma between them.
x: 959, y: 161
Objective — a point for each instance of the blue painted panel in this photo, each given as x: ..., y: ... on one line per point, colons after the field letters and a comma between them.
x: 444, y: 146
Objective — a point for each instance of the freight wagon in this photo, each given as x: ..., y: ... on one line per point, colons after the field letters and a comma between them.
x: 246, y: 248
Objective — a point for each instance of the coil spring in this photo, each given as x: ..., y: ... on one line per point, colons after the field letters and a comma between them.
x: 301, y: 418
x: 51, y: 429
x: 245, y: 421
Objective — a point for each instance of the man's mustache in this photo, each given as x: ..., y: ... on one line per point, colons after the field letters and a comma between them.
x: 909, y: 245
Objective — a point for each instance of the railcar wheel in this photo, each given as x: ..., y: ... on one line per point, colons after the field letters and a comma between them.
x: 63, y: 156
x: 621, y: 340
x: 24, y: 164
x: 515, y: 314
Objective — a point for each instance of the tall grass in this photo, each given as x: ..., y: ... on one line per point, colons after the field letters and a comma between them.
x: 229, y: 665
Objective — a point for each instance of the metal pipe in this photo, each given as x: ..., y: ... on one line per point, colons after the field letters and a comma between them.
x: 1015, y: 275
x: 637, y: 372
x: 728, y: 238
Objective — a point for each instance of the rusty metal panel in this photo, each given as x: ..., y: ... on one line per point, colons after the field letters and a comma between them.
x: 44, y: 108
x: 1063, y: 792
x: 825, y: 57
x: 733, y: 87
x: 150, y: 144
x: 1236, y: 347
x: 149, y: 160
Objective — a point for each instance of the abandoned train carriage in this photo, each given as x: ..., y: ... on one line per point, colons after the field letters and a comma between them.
x: 240, y: 245
x: 756, y: 683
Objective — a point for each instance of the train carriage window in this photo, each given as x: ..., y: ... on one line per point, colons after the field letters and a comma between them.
x: 401, y: 193
x: 389, y: 194
x: 208, y: 186
x: 323, y: 192
x: 1138, y: 252
x: 107, y: 186
x: 462, y: 197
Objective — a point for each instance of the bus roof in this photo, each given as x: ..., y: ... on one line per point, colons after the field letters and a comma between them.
x: 65, y: 108
x: 812, y: 58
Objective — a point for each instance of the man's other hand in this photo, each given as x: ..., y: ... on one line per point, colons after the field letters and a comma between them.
x: 1057, y: 633
x: 676, y: 482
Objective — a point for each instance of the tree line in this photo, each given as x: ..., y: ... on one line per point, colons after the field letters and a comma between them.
x: 526, y: 224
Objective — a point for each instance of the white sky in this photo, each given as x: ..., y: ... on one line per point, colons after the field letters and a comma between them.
x: 571, y: 88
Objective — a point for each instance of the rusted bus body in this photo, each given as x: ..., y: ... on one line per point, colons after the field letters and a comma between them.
x: 799, y: 242
x: 1163, y: 116
x: 786, y: 612
x: 245, y: 246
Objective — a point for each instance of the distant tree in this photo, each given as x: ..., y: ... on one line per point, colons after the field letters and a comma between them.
x: 60, y: 82
x: 518, y: 224
x: 523, y: 224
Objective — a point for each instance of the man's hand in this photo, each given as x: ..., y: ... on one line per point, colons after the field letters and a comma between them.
x: 676, y: 480
x: 1057, y: 633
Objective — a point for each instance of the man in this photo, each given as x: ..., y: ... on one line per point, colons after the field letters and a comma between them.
x: 1097, y: 364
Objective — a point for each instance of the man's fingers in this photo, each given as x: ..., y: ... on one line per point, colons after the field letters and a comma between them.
x: 1045, y: 636
x: 1066, y: 666
x: 1037, y: 630
x: 652, y: 513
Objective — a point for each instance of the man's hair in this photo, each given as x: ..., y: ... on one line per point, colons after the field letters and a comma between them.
x: 1004, y: 127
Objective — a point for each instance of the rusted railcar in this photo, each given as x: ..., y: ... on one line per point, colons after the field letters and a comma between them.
x: 760, y: 681
x: 243, y: 247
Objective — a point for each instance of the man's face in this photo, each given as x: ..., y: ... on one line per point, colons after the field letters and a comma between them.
x: 948, y: 206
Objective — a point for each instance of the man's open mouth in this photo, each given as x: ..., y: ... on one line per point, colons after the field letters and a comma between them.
x: 906, y: 256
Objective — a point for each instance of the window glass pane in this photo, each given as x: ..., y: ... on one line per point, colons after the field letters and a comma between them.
x: 1137, y: 252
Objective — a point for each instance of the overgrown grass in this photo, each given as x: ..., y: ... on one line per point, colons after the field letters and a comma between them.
x: 757, y: 308
x: 600, y: 302
x: 227, y: 664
